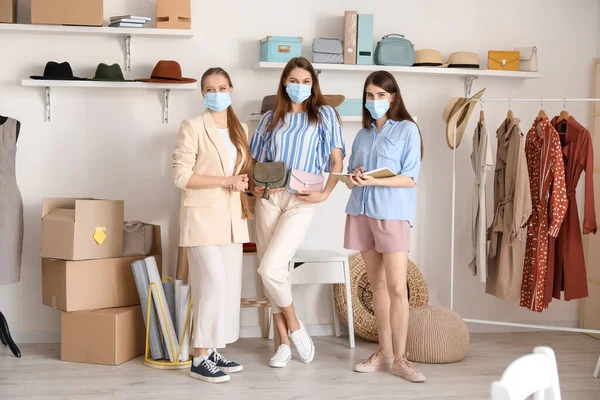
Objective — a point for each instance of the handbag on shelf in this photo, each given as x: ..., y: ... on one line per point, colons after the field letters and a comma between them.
x: 138, y: 238
x: 327, y: 51
x: 528, y: 59
x: 394, y: 49
x: 503, y: 60
x: 271, y: 175
x: 301, y: 181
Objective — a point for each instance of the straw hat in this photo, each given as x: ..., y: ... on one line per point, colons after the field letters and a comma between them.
x: 362, y: 297
x: 429, y: 58
x: 456, y: 116
x: 463, y: 59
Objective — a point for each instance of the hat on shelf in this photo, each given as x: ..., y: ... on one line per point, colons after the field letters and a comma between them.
x: 59, y: 72
x: 333, y: 100
x: 167, y: 72
x: 463, y: 59
x: 112, y: 73
x: 456, y: 116
x: 429, y: 58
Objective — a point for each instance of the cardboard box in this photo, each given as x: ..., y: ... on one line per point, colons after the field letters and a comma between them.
x: 109, y: 337
x: 174, y: 14
x: 67, y: 12
x: 82, y: 229
x: 8, y: 11
x: 93, y: 284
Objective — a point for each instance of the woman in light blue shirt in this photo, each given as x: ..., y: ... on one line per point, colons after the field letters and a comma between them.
x: 305, y: 133
x: 380, y: 213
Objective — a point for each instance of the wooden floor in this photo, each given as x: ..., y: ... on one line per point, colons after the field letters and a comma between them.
x: 39, y: 374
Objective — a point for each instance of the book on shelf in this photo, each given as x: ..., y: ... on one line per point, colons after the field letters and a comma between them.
x: 376, y: 173
x: 129, y: 16
x: 128, y: 20
x: 126, y: 25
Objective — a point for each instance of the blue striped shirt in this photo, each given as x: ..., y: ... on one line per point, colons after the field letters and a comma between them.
x: 297, y: 142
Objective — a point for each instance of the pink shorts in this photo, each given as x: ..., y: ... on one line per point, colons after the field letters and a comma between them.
x: 384, y: 236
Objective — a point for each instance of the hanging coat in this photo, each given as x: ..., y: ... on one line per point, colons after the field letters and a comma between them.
x: 549, y: 200
x: 482, y: 162
x: 568, y: 270
x: 512, y: 208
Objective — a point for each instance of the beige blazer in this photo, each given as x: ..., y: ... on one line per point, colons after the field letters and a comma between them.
x: 208, y: 217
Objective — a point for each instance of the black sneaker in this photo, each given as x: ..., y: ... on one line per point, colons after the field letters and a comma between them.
x: 207, y: 371
x: 224, y: 364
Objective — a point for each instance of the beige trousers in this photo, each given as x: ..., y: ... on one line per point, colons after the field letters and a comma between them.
x: 215, y: 278
x: 281, y: 225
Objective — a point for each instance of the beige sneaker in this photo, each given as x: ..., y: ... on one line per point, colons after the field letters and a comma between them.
x: 405, y: 369
x: 377, y: 362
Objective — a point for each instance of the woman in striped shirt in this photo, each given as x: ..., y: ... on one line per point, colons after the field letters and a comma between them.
x: 305, y: 133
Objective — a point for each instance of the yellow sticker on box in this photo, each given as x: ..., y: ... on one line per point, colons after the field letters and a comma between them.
x: 99, y: 235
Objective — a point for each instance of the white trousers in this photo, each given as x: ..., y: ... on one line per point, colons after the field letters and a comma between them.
x: 281, y: 225
x: 215, y: 278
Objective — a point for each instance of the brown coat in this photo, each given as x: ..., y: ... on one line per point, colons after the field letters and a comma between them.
x: 566, y: 269
x: 549, y: 199
x: 512, y: 205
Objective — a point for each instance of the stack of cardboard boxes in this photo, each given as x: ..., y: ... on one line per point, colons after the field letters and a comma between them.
x: 85, y: 276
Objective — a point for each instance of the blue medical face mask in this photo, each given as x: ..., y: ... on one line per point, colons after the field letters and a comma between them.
x: 377, y: 108
x: 297, y: 92
x: 217, y: 101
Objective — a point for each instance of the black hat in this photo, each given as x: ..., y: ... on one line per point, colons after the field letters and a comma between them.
x: 111, y: 73
x: 59, y: 72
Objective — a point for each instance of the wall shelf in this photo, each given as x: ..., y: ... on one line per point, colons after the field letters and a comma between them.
x: 124, y: 33
x: 467, y: 74
x: 257, y: 117
x: 165, y: 87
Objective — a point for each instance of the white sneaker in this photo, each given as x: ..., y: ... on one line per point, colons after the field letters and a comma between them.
x: 303, y: 343
x: 281, y: 357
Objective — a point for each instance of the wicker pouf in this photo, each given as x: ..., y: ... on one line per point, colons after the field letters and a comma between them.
x: 436, y: 335
x: 362, y: 297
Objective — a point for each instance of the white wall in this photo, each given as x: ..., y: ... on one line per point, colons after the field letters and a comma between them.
x: 111, y: 143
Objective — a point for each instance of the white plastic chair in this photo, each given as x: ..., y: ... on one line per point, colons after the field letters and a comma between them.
x: 534, y: 374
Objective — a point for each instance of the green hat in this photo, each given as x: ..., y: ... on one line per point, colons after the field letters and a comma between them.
x: 111, y: 73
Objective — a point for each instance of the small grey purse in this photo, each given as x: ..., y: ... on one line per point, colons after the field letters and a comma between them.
x: 271, y: 175
x: 138, y: 238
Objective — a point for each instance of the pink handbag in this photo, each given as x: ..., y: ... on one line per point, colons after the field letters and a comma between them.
x: 300, y: 181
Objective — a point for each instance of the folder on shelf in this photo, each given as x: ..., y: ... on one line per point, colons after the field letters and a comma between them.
x: 364, y: 44
x: 350, y: 36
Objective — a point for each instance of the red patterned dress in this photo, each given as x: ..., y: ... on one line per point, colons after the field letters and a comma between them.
x: 549, y: 200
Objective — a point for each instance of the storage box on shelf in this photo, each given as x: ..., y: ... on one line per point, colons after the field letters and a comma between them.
x: 108, y: 337
x: 280, y: 49
x: 8, y: 11
x: 173, y: 14
x: 67, y: 12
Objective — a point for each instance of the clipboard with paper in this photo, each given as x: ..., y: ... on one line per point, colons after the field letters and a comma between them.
x: 376, y: 173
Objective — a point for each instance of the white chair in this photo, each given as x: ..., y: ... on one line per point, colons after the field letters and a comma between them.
x: 534, y: 374
x: 323, y: 267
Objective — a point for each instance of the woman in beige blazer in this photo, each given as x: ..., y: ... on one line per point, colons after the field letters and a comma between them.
x: 210, y: 165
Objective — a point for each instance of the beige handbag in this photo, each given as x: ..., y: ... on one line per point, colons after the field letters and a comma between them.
x: 528, y: 60
x: 137, y: 238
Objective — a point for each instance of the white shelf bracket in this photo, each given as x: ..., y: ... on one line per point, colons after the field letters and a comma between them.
x: 128, y: 53
x: 48, y: 106
x: 167, y: 95
x: 468, y: 84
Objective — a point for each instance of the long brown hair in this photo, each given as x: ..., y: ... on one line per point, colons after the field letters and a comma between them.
x: 283, y: 103
x: 238, y: 137
x: 397, y: 111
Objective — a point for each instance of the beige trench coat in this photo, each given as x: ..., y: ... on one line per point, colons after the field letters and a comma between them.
x: 208, y: 217
x: 482, y: 162
x: 512, y: 204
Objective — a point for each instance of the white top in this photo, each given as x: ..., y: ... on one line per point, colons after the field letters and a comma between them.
x: 231, y: 150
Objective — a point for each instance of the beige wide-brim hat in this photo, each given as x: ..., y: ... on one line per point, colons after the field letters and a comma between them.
x: 456, y: 115
x: 429, y: 58
x: 463, y: 59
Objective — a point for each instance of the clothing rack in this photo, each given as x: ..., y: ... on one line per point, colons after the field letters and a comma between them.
x: 482, y: 102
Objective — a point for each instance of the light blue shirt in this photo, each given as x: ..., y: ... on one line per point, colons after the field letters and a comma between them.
x: 397, y: 147
x: 297, y: 142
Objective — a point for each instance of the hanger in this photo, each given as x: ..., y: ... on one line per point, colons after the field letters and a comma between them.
x: 481, y: 113
x: 542, y: 113
x: 564, y: 114
x: 510, y: 114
